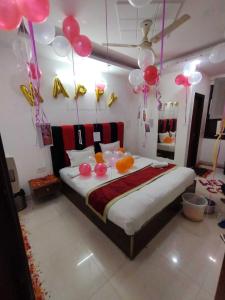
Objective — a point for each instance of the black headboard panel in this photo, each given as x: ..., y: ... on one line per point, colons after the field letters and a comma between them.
x: 68, y: 137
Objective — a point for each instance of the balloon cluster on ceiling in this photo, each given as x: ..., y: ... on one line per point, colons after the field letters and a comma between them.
x: 45, y: 34
x: 190, y: 75
x: 147, y: 75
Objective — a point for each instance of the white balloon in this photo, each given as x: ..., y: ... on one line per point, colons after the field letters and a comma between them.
x: 146, y: 58
x: 107, y: 155
x: 195, y: 78
x: 61, y: 46
x: 139, y: 3
x: 136, y: 77
x: 22, y: 51
x: 189, y: 68
x: 218, y: 54
x: 44, y: 33
x: 118, y: 154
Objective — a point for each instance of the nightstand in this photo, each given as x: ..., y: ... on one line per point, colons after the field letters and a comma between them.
x: 45, y: 186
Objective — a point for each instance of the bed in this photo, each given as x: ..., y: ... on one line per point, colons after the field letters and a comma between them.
x: 133, y: 220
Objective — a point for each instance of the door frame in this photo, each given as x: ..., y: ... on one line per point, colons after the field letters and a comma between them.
x: 202, y: 96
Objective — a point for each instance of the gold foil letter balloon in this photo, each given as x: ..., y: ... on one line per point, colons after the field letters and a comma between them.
x: 58, y: 88
x: 112, y: 99
x: 30, y: 94
x: 80, y: 91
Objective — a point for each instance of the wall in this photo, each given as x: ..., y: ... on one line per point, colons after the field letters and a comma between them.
x: 206, y: 146
x: 171, y: 92
x: 16, y: 124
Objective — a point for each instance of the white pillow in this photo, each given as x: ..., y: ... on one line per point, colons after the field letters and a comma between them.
x: 162, y: 136
x: 78, y: 157
x: 110, y: 147
x: 173, y: 134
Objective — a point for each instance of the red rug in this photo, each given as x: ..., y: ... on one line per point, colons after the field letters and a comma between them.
x: 39, y: 292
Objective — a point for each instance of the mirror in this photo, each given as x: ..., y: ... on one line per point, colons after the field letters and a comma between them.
x: 167, y: 129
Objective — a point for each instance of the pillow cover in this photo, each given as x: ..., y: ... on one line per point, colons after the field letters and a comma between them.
x: 173, y: 135
x: 110, y: 147
x: 78, y: 157
x: 162, y: 136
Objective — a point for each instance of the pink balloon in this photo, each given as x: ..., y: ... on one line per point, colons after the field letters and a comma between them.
x: 82, y: 45
x: 10, y: 16
x: 100, y: 86
x: 33, y: 73
x: 112, y: 162
x: 36, y: 11
x: 100, y: 169
x: 85, y: 169
x: 71, y: 28
x: 182, y: 80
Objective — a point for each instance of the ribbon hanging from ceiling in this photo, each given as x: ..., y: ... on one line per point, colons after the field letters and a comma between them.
x: 39, y: 113
x: 76, y: 100
x: 158, y: 94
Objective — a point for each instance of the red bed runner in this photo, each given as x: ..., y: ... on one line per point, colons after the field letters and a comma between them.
x: 104, y: 196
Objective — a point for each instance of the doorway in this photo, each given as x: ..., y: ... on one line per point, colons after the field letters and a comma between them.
x: 195, y: 130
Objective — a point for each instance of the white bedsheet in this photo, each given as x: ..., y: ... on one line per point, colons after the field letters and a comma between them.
x: 166, y: 147
x: 134, y: 210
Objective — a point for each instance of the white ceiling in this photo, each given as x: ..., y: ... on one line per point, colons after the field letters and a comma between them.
x: 206, y: 27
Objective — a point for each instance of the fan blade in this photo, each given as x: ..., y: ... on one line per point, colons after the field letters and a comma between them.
x: 119, y: 45
x: 170, y: 28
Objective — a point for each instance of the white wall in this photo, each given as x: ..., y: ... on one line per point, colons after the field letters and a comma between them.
x: 171, y: 92
x: 206, y: 146
x: 16, y: 124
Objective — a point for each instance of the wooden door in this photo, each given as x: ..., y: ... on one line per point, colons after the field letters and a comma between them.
x: 195, y: 129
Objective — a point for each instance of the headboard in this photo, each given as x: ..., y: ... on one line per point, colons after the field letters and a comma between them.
x: 69, y: 137
x: 165, y: 125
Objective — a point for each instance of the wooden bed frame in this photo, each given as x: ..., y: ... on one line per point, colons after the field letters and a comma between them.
x: 130, y: 245
x: 67, y: 138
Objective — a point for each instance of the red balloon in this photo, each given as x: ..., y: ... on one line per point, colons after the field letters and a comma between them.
x: 151, y: 75
x: 10, y: 16
x: 82, y: 45
x: 36, y: 11
x: 71, y: 28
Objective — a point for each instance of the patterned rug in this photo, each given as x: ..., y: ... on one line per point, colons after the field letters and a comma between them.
x: 39, y: 292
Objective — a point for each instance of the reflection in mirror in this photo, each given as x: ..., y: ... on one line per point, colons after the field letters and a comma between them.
x: 167, y: 129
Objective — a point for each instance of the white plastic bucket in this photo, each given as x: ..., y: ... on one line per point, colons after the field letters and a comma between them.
x: 194, y: 206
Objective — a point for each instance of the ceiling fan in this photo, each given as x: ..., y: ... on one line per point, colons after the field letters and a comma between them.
x: 146, y: 43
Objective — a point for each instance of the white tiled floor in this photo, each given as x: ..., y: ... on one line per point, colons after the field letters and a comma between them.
x: 79, y: 263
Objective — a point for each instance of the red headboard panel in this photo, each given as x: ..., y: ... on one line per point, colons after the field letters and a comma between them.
x: 68, y: 137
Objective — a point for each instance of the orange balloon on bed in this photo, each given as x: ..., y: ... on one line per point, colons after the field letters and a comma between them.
x: 99, y: 157
x: 122, y: 165
x: 130, y: 161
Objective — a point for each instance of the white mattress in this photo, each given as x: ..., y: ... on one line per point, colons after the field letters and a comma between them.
x: 166, y: 147
x: 134, y: 210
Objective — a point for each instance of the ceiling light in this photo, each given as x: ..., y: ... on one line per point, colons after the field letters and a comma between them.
x: 212, y: 259
x: 139, y: 3
x: 174, y: 259
x: 83, y: 260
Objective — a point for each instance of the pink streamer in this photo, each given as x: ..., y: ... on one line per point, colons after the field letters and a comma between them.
x: 36, y: 83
